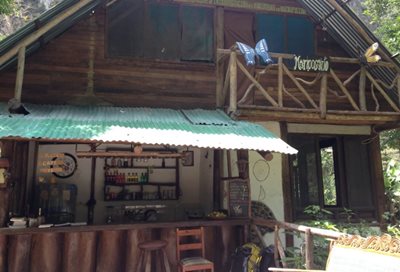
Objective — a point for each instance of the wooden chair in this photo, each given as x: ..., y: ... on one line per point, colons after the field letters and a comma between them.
x: 192, y: 240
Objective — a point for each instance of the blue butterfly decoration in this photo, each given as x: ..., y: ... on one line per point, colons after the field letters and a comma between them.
x: 261, y: 50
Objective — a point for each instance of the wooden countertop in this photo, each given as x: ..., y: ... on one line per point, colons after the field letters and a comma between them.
x: 144, y: 225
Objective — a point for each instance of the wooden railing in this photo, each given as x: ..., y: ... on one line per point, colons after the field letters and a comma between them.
x: 274, y: 95
x: 309, y: 233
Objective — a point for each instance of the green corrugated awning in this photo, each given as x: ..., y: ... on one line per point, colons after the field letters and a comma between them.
x: 195, y: 128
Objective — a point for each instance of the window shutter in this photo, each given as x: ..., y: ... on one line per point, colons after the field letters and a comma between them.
x: 300, y: 36
x: 162, y: 32
x: 272, y: 28
x: 197, y: 34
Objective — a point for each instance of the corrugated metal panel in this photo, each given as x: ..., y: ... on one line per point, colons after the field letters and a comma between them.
x: 342, y: 31
x: 47, y: 16
x: 206, y: 117
x: 209, y: 128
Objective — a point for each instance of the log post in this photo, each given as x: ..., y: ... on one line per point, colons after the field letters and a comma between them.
x: 280, y: 82
x: 19, y: 250
x: 20, y: 73
x: 309, y: 249
x: 110, y: 248
x: 324, y: 92
x: 219, y: 43
x: 3, y: 253
x: 276, y: 253
x: 79, y: 252
x: 398, y: 87
x: 46, y: 251
x: 233, y: 82
x: 362, y: 98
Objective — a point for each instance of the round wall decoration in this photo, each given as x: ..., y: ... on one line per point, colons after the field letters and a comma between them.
x: 66, y: 165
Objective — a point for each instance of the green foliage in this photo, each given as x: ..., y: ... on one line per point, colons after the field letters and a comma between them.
x: 386, y: 14
x: 6, y: 6
x: 392, y: 191
x: 328, y: 176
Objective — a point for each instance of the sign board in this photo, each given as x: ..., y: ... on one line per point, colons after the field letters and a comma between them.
x: 238, y: 198
x: 311, y: 64
x: 51, y: 163
x: 253, y: 5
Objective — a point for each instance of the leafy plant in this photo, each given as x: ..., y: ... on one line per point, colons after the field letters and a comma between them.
x: 392, y: 191
x: 6, y: 6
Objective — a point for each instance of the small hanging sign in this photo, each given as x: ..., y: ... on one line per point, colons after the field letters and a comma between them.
x: 47, y: 164
x: 311, y: 64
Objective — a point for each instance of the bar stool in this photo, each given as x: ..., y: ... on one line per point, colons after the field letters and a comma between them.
x: 146, y: 248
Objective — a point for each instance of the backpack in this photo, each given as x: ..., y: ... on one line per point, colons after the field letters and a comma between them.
x: 250, y: 258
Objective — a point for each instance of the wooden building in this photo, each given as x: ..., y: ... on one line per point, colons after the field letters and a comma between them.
x: 83, y: 64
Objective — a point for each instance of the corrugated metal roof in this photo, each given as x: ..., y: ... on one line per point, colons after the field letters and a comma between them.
x: 345, y: 34
x: 211, y: 128
x: 46, y: 17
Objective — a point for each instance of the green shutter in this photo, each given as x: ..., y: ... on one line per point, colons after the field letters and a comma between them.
x: 300, y: 36
x: 197, y: 34
x: 271, y: 28
x: 162, y: 32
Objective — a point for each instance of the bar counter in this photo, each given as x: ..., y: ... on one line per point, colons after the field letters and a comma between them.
x: 110, y: 247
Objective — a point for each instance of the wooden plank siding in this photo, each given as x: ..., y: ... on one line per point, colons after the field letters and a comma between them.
x: 58, y: 73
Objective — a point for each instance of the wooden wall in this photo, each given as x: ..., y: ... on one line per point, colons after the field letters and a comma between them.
x: 104, y: 250
x: 64, y: 69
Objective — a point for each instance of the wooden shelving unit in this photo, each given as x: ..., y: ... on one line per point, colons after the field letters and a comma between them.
x: 132, y: 182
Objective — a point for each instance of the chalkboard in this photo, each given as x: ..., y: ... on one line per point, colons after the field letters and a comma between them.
x: 239, y: 198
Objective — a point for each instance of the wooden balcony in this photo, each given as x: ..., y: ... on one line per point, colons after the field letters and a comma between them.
x: 348, y: 93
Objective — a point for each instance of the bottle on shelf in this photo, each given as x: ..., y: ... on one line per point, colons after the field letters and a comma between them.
x: 41, y: 218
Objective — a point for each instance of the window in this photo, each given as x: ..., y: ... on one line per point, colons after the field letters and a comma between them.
x: 148, y: 29
x: 286, y: 34
x: 332, y: 172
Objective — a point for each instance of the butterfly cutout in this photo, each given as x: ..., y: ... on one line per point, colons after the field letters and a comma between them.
x: 261, y: 51
x: 368, y: 56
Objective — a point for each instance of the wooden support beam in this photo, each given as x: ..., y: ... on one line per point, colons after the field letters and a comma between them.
x: 343, y: 60
x: 383, y: 93
x: 262, y: 114
x: 281, y: 250
x: 357, y: 61
x: 344, y: 90
x: 258, y: 85
x: 298, y: 85
x: 276, y: 252
x: 361, y: 89
x: 233, y: 82
x: 43, y: 30
x: 226, y: 82
x: 329, y: 234
x: 280, y: 82
x: 219, y: 43
x: 309, y: 249
x: 126, y: 154
x: 398, y: 87
x: 217, y: 184
x: 322, y: 97
x: 20, y: 73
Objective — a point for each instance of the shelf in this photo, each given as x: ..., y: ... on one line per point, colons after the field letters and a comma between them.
x: 165, y: 184
x: 141, y: 184
x: 139, y: 167
x: 115, y: 200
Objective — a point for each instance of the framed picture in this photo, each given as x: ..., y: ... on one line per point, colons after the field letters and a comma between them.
x: 187, y: 158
